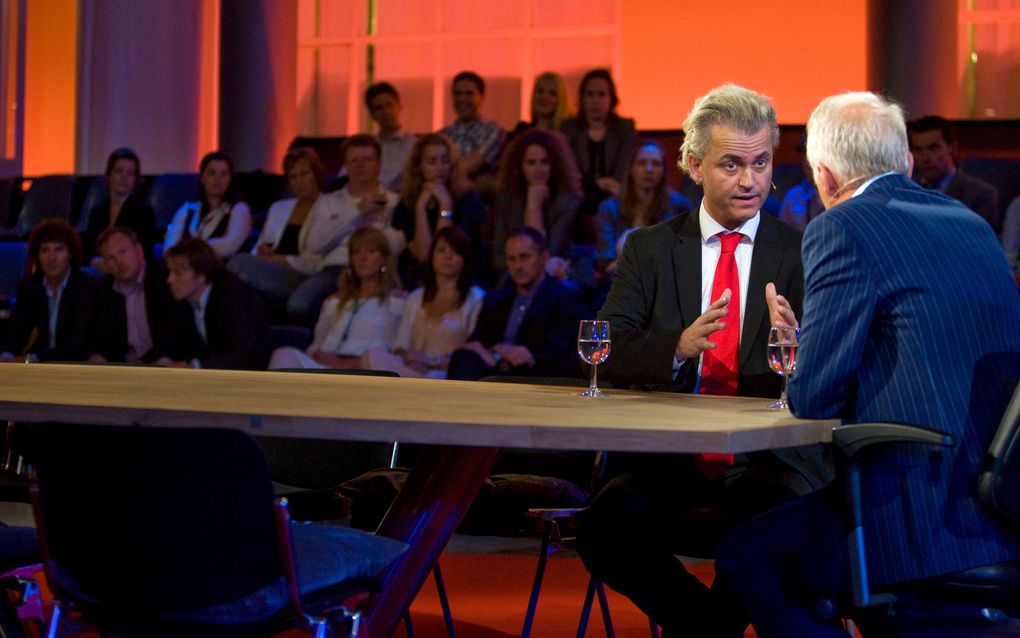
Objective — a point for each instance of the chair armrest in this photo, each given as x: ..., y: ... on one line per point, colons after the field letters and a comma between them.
x: 850, y: 440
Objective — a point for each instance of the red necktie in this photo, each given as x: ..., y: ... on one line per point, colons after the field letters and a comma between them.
x: 719, y: 366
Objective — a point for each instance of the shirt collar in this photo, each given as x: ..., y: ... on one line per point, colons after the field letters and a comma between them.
x: 710, y: 228
x: 865, y: 185
x: 203, y: 299
x: 60, y: 288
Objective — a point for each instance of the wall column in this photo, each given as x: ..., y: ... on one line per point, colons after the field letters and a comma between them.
x: 912, y: 50
x: 258, y: 81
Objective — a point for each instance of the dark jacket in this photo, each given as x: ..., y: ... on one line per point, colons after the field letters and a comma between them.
x: 237, y: 331
x: 159, y: 304
x: 91, y: 321
x: 134, y: 214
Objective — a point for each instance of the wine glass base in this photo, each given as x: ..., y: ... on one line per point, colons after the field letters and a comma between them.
x: 592, y: 392
x: 780, y: 405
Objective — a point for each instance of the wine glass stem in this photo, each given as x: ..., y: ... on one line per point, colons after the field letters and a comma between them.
x: 782, y: 397
x: 594, y: 377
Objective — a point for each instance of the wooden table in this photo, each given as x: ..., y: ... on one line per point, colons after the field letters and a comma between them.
x: 471, y: 420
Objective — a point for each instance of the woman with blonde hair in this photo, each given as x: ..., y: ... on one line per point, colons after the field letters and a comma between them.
x: 433, y: 195
x: 364, y: 313
x: 550, y: 104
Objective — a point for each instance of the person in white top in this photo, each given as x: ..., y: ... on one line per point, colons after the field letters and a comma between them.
x: 303, y: 246
x: 363, y: 314
x: 218, y: 216
x: 438, y: 317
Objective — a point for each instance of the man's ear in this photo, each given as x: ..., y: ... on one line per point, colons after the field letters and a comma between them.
x: 825, y: 180
x: 694, y: 167
x: 910, y: 164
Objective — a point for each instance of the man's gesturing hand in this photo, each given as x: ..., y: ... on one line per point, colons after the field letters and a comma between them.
x: 694, y: 340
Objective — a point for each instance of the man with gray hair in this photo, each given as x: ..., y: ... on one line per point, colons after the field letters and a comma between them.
x: 910, y: 316
x: 690, y: 308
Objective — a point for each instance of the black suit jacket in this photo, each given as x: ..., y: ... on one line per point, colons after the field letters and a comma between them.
x: 237, y: 331
x: 549, y: 328
x: 656, y: 294
x: 134, y: 214
x: 159, y: 305
x: 91, y: 320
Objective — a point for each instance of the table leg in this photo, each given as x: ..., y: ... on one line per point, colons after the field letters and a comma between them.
x: 425, y: 514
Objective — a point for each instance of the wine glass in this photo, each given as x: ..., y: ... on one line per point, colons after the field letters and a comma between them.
x: 782, y: 354
x: 593, y: 347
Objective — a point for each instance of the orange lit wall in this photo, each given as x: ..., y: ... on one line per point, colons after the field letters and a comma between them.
x: 50, y: 70
x: 796, y: 51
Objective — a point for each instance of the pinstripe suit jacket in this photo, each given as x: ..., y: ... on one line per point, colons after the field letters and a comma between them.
x: 911, y: 316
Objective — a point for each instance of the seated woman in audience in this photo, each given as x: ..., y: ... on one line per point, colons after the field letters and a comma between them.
x: 365, y: 313
x: 297, y: 258
x: 438, y: 317
x: 646, y: 199
x: 602, y: 141
x: 538, y: 188
x: 123, y: 206
x: 217, y: 217
x: 550, y: 104
x: 433, y: 196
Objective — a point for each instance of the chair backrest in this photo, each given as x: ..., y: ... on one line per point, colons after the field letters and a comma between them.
x: 48, y: 196
x: 13, y: 259
x: 168, y: 192
x: 154, y: 520
x: 997, y: 484
x: 95, y: 191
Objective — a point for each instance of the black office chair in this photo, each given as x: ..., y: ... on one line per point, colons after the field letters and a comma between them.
x: 984, y: 601
x: 173, y: 532
x: 47, y: 196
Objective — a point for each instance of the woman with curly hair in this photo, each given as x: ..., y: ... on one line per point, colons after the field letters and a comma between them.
x: 538, y: 188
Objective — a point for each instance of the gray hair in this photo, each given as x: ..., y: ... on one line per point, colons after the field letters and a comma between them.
x: 730, y: 105
x: 857, y: 136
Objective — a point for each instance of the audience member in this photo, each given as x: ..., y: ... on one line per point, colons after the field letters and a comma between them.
x: 645, y: 199
x: 550, y: 105
x: 690, y: 309
x: 933, y: 144
x: 433, y: 196
x: 892, y: 333
x: 538, y: 189
x: 61, y: 313
x: 438, y: 317
x: 123, y: 206
x: 147, y: 298
x: 384, y: 107
x: 527, y: 327
x: 303, y: 246
x: 602, y: 141
x: 801, y: 203
x: 1011, y: 237
x: 479, y: 141
x: 363, y: 314
x: 218, y: 217
x: 218, y: 321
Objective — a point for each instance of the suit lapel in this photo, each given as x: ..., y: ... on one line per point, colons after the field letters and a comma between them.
x: 765, y: 262
x: 686, y: 256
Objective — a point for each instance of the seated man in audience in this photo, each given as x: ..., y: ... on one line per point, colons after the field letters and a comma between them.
x: 933, y: 145
x: 910, y: 316
x: 143, y: 286
x: 62, y: 314
x: 218, y: 321
x: 690, y: 310
x: 528, y: 327
x: 384, y: 107
x: 801, y: 203
x: 479, y: 141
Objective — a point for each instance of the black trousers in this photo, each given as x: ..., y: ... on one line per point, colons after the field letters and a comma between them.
x: 657, y: 506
